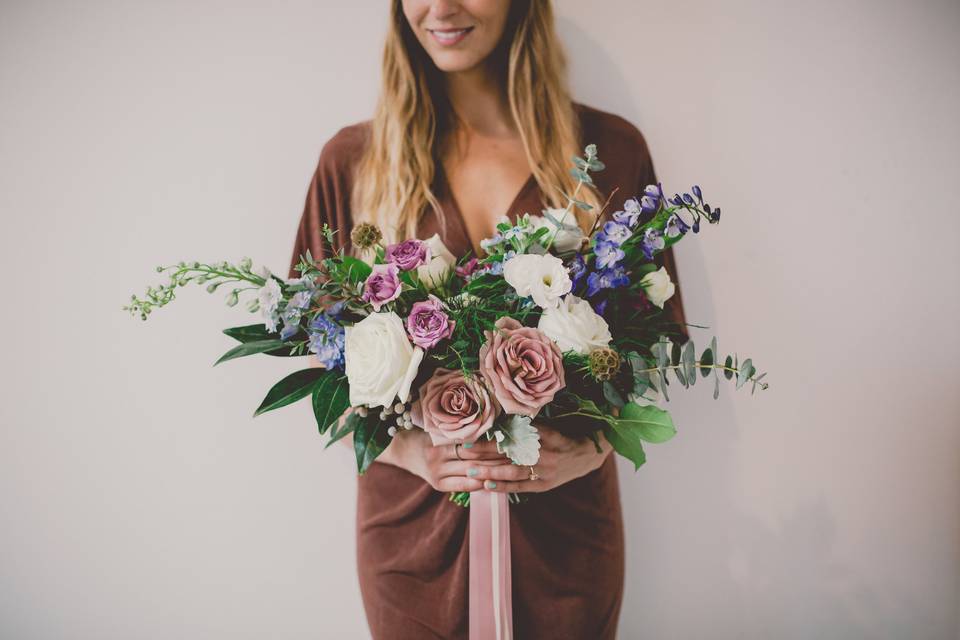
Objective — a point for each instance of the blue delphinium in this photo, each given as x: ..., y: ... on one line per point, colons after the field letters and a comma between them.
x: 607, y: 279
x: 676, y: 226
x: 578, y: 269
x: 292, y: 313
x: 608, y: 254
x: 652, y: 241
x: 615, y: 232
x: 327, y: 337
x: 630, y: 214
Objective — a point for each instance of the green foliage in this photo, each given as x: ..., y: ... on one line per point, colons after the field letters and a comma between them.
x: 331, y: 397
x: 349, y: 426
x: 650, y: 423
x: 252, y: 348
x: 295, y: 386
x: 369, y: 440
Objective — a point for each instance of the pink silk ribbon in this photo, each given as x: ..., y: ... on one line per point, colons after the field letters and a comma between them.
x: 491, y: 597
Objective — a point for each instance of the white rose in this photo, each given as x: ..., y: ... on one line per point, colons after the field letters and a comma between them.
x: 441, y: 261
x: 658, y: 286
x: 541, y: 277
x: 568, y: 238
x: 380, y: 361
x: 575, y: 326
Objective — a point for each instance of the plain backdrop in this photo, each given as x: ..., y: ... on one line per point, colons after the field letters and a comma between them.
x: 140, y: 499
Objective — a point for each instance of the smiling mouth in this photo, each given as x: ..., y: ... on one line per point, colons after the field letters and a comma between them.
x: 448, y: 37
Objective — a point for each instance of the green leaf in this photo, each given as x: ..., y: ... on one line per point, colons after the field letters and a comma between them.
x: 295, y: 386
x: 706, y: 360
x: 349, y: 268
x: 251, y: 348
x: 330, y: 399
x: 249, y: 333
x: 368, y: 440
x: 729, y: 365
x: 650, y: 423
x: 612, y: 395
x: 349, y: 426
x: 626, y: 443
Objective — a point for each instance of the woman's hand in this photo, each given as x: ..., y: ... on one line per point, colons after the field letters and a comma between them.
x: 562, y: 459
x: 439, y: 465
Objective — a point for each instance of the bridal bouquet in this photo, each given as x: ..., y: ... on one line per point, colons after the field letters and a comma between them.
x: 550, y: 323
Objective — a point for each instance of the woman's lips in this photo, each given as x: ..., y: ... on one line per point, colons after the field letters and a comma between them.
x: 449, y: 37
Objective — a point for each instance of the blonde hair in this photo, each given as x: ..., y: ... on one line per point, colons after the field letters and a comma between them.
x: 395, y: 176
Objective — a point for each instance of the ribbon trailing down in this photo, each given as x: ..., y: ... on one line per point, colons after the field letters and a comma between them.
x: 491, y: 596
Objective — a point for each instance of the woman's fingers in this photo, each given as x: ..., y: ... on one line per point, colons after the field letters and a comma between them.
x: 481, y: 450
x: 508, y: 472
x: 455, y: 483
x: 525, y: 486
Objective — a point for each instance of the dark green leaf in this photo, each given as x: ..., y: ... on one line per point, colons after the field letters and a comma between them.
x: 250, y: 333
x: 349, y: 426
x: 298, y: 384
x: 251, y: 348
x: 707, y: 358
x: 330, y: 399
x: 727, y: 373
x: 612, y: 395
x: 369, y: 440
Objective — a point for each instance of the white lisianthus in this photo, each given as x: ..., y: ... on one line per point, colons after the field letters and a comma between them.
x: 541, y: 277
x: 568, y: 238
x: 658, y: 286
x: 380, y: 362
x: 575, y: 326
x: 441, y: 261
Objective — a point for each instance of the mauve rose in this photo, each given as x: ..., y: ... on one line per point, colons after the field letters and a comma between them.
x: 523, y: 366
x: 454, y: 408
x: 428, y: 324
x: 382, y: 285
x: 408, y: 254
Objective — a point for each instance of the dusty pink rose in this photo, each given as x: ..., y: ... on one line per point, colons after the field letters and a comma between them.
x: 408, y: 254
x: 523, y: 366
x: 382, y: 285
x: 454, y: 408
x: 428, y: 324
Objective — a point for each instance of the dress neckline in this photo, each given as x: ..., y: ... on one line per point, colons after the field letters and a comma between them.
x: 454, y: 206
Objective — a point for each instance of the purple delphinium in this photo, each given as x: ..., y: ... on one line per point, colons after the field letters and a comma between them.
x: 327, y: 339
x: 601, y: 307
x: 652, y: 241
x: 608, y: 254
x: 606, y: 279
x: 676, y: 226
x: 578, y: 269
x: 615, y: 232
x: 630, y: 214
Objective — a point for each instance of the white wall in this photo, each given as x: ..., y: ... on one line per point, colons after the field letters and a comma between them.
x: 139, y: 498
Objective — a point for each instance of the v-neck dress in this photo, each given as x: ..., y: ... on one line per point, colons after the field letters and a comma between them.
x: 412, y: 542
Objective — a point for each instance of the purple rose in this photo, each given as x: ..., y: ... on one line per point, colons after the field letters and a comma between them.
x: 428, y: 324
x: 382, y: 285
x: 408, y: 254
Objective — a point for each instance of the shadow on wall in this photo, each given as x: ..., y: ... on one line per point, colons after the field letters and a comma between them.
x: 697, y: 564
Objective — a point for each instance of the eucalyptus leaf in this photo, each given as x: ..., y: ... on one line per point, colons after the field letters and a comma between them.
x: 689, y: 361
x: 298, y: 384
x: 612, y: 395
x: 707, y: 359
x: 727, y: 373
x: 746, y: 370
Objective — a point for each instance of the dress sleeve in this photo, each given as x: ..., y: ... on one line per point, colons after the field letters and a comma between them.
x: 673, y: 308
x: 327, y: 201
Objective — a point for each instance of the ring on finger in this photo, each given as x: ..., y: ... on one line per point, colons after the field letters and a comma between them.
x: 456, y: 450
x: 533, y: 473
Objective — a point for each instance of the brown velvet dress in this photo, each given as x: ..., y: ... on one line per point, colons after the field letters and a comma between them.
x: 412, y: 542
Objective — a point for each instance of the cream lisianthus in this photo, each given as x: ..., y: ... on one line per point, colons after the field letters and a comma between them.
x: 575, y: 326
x: 541, y: 277
x: 568, y: 238
x: 658, y: 286
x: 441, y: 262
x: 380, y: 361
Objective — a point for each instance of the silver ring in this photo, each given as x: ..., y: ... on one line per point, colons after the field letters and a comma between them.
x: 456, y: 450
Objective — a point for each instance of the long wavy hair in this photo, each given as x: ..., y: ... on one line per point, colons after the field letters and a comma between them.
x: 396, y: 176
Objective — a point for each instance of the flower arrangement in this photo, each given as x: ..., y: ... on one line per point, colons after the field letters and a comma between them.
x: 550, y: 323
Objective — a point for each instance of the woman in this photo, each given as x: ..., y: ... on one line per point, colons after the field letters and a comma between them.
x: 475, y: 122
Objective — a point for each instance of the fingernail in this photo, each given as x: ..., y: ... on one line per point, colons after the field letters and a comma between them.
x: 468, y: 445
x: 472, y: 472
x: 490, y: 484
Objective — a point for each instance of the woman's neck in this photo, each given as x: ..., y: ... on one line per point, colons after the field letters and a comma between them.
x: 478, y: 99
